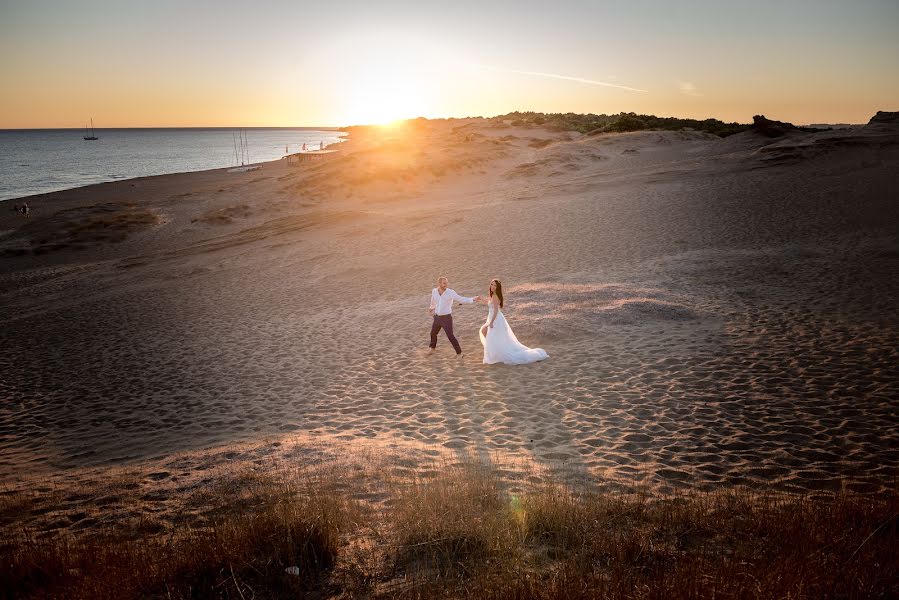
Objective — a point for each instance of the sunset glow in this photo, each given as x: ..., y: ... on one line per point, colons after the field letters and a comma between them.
x: 386, y: 84
x: 133, y: 64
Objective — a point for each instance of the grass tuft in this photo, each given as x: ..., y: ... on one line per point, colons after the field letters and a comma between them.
x: 451, y: 525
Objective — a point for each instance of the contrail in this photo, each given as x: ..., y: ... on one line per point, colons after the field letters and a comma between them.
x: 563, y: 77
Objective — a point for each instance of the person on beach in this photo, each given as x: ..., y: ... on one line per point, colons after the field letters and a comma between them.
x: 500, y: 343
x: 442, y: 298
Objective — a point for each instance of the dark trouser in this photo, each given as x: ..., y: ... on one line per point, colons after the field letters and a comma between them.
x: 445, y: 322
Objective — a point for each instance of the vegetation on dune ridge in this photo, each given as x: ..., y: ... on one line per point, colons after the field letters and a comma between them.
x: 462, y: 533
x: 591, y: 124
x: 622, y: 122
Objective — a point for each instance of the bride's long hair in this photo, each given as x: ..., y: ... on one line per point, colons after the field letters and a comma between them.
x: 499, y: 291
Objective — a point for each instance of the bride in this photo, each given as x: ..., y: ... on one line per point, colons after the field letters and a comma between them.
x: 500, y: 344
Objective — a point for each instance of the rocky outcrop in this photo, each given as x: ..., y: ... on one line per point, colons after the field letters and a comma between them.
x: 884, y: 120
x: 769, y: 128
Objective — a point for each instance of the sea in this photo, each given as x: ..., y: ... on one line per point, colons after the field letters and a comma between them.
x: 37, y: 161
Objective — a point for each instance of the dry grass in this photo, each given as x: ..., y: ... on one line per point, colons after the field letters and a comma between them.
x: 257, y: 528
x: 452, y: 525
x: 736, y: 544
x: 78, y: 229
x: 461, y: 533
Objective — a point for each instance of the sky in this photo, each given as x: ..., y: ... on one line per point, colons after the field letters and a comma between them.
x: 343, y: 62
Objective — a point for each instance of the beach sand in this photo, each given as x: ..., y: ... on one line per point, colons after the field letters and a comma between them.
x: 717, y: 312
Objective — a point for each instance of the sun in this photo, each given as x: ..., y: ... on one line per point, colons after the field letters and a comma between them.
x: 382, y: 98
x: 388, y: 82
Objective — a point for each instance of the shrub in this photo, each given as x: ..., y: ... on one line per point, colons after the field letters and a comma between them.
x: 592, y: 123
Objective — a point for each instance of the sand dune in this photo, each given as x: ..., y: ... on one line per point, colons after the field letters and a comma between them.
x: 718, y: 312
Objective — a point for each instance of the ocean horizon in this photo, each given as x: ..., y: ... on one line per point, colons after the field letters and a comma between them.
x: 40, y: 161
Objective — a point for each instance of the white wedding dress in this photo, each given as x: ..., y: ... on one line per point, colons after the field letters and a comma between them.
x: 501, y: 345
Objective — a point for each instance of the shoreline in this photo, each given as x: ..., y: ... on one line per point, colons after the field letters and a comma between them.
x: 175, y: 129
x: 84, y: 188
x: 344, y: 137
x: 140, y: 178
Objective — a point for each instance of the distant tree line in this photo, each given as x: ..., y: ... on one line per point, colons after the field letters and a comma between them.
x: 594, y: 124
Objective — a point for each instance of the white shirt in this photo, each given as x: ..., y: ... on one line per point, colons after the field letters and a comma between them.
x: 443, y: 304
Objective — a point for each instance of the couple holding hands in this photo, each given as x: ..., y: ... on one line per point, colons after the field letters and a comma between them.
x: 500, y: 344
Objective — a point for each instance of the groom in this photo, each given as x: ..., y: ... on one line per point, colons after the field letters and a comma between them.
x: 442, y: 308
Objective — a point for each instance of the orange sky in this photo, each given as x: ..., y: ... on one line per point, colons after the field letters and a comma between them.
x: 129, y: 64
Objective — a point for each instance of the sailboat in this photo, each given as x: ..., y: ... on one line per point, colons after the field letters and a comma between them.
x: 90, y: 136
x: 244, y: 158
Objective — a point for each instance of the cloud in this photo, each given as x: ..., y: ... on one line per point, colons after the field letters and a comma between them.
x: 563, y: 77
x: 688, y: 89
